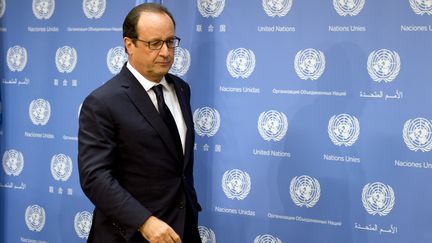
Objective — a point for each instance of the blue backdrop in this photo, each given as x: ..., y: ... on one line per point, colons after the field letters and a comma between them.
x: 311, y: 117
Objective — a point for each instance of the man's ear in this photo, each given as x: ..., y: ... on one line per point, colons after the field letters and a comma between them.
x: 128, y: 43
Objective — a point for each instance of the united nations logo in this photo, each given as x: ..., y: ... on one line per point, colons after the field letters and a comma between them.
x: 66, y: 59
x: 43, y: 9
x: 309, y: 64
x: 2, y: 7
x: 94, y: 9
x: 417, y: 134
x: 40, y: 112
x: 378, y: 198
x: 16, y: 58
x: 207, y: 121
x: 267, y: 239
x: 116, y: 57
x: 383, y: 65
x: 210, y: 8
x: 421, y: 7
x: 272, y: 125
x: 35, y: 218
x: 82, y: 222
x: 61, y: 167
x: 240, y: 62
x: 305, y: 191
x: 207, y: 235
x: 13, y: 162
x: 236, y: 184
x: 182, y: 61
x: 348, y: 7
x: 277, y: 7
x: 343, y: 129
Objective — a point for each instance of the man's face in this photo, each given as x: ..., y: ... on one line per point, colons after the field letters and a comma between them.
x: 152, y: 64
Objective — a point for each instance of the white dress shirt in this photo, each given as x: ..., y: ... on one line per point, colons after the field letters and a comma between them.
x: 170, y: 98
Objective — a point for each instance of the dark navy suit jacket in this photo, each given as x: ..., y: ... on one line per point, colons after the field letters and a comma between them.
x: 128, y: 164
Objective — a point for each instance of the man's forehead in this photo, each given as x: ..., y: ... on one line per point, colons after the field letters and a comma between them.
x: 150, y: 17
x: 150, y: 23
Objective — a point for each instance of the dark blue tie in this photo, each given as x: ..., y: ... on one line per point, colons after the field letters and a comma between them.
x: 168, y: 118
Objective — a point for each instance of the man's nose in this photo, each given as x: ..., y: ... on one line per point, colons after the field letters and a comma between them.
x: 164, y: 49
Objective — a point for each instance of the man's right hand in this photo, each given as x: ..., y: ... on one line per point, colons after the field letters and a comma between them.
x: 156, y: 231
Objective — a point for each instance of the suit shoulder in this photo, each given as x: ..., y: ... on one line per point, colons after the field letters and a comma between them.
x: 111, y: 87
x: 108, y: 92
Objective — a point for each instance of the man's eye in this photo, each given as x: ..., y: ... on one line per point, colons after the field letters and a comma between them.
x: 155, y: 43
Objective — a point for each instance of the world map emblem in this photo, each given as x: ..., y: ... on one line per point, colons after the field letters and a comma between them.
x: 16, y: 58
x: 207, y: 235
x: 383, y: 65
x: 236, y: 184
x: 417, y: 134
x: 305, y: 191
x: 43, y: 9
x: 40, y: 112
x: 343, y: 129
x: 82, y: 224
x: 348, y: 7
x: 210, y: 8
x: 309, y: 64
x: 421, y: 7
x: 278, y: 8
x: 240, y: 62
x: 66, y: 59
x: 266, y: 239
x: 272, y: 125
x: 13, y: 162
x: 207, y: 121
x: 94, y: 9
x: 378, y: 198
x: 2, y: 7
x: 61, y: 167
x: 35, y: 218
x: 182, y: 61
x: 116, y: 57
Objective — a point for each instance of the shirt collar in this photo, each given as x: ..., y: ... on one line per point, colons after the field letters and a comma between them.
x: 147, y: 84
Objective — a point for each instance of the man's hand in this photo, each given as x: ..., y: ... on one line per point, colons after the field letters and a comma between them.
x: 156, y: 231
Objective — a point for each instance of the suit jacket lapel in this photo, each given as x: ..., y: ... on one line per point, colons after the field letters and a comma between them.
x: 187, y: 116
x: 145, y: 106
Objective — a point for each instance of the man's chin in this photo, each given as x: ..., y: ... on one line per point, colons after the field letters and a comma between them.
x: 163, y: 70
x: 159, y: 74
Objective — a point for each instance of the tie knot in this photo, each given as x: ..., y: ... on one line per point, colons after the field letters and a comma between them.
x: 158, y: 90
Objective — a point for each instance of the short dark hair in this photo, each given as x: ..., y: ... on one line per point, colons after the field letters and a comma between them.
x: 131, y: 20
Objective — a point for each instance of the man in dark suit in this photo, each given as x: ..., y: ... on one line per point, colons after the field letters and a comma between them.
x: 136, y: 138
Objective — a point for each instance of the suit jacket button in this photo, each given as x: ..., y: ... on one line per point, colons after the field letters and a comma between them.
x: 181, y: 204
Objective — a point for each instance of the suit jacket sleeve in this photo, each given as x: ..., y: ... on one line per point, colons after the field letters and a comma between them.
x: 96, y: 158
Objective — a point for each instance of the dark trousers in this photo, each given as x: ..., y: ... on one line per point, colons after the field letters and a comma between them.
x: 191, y: 234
